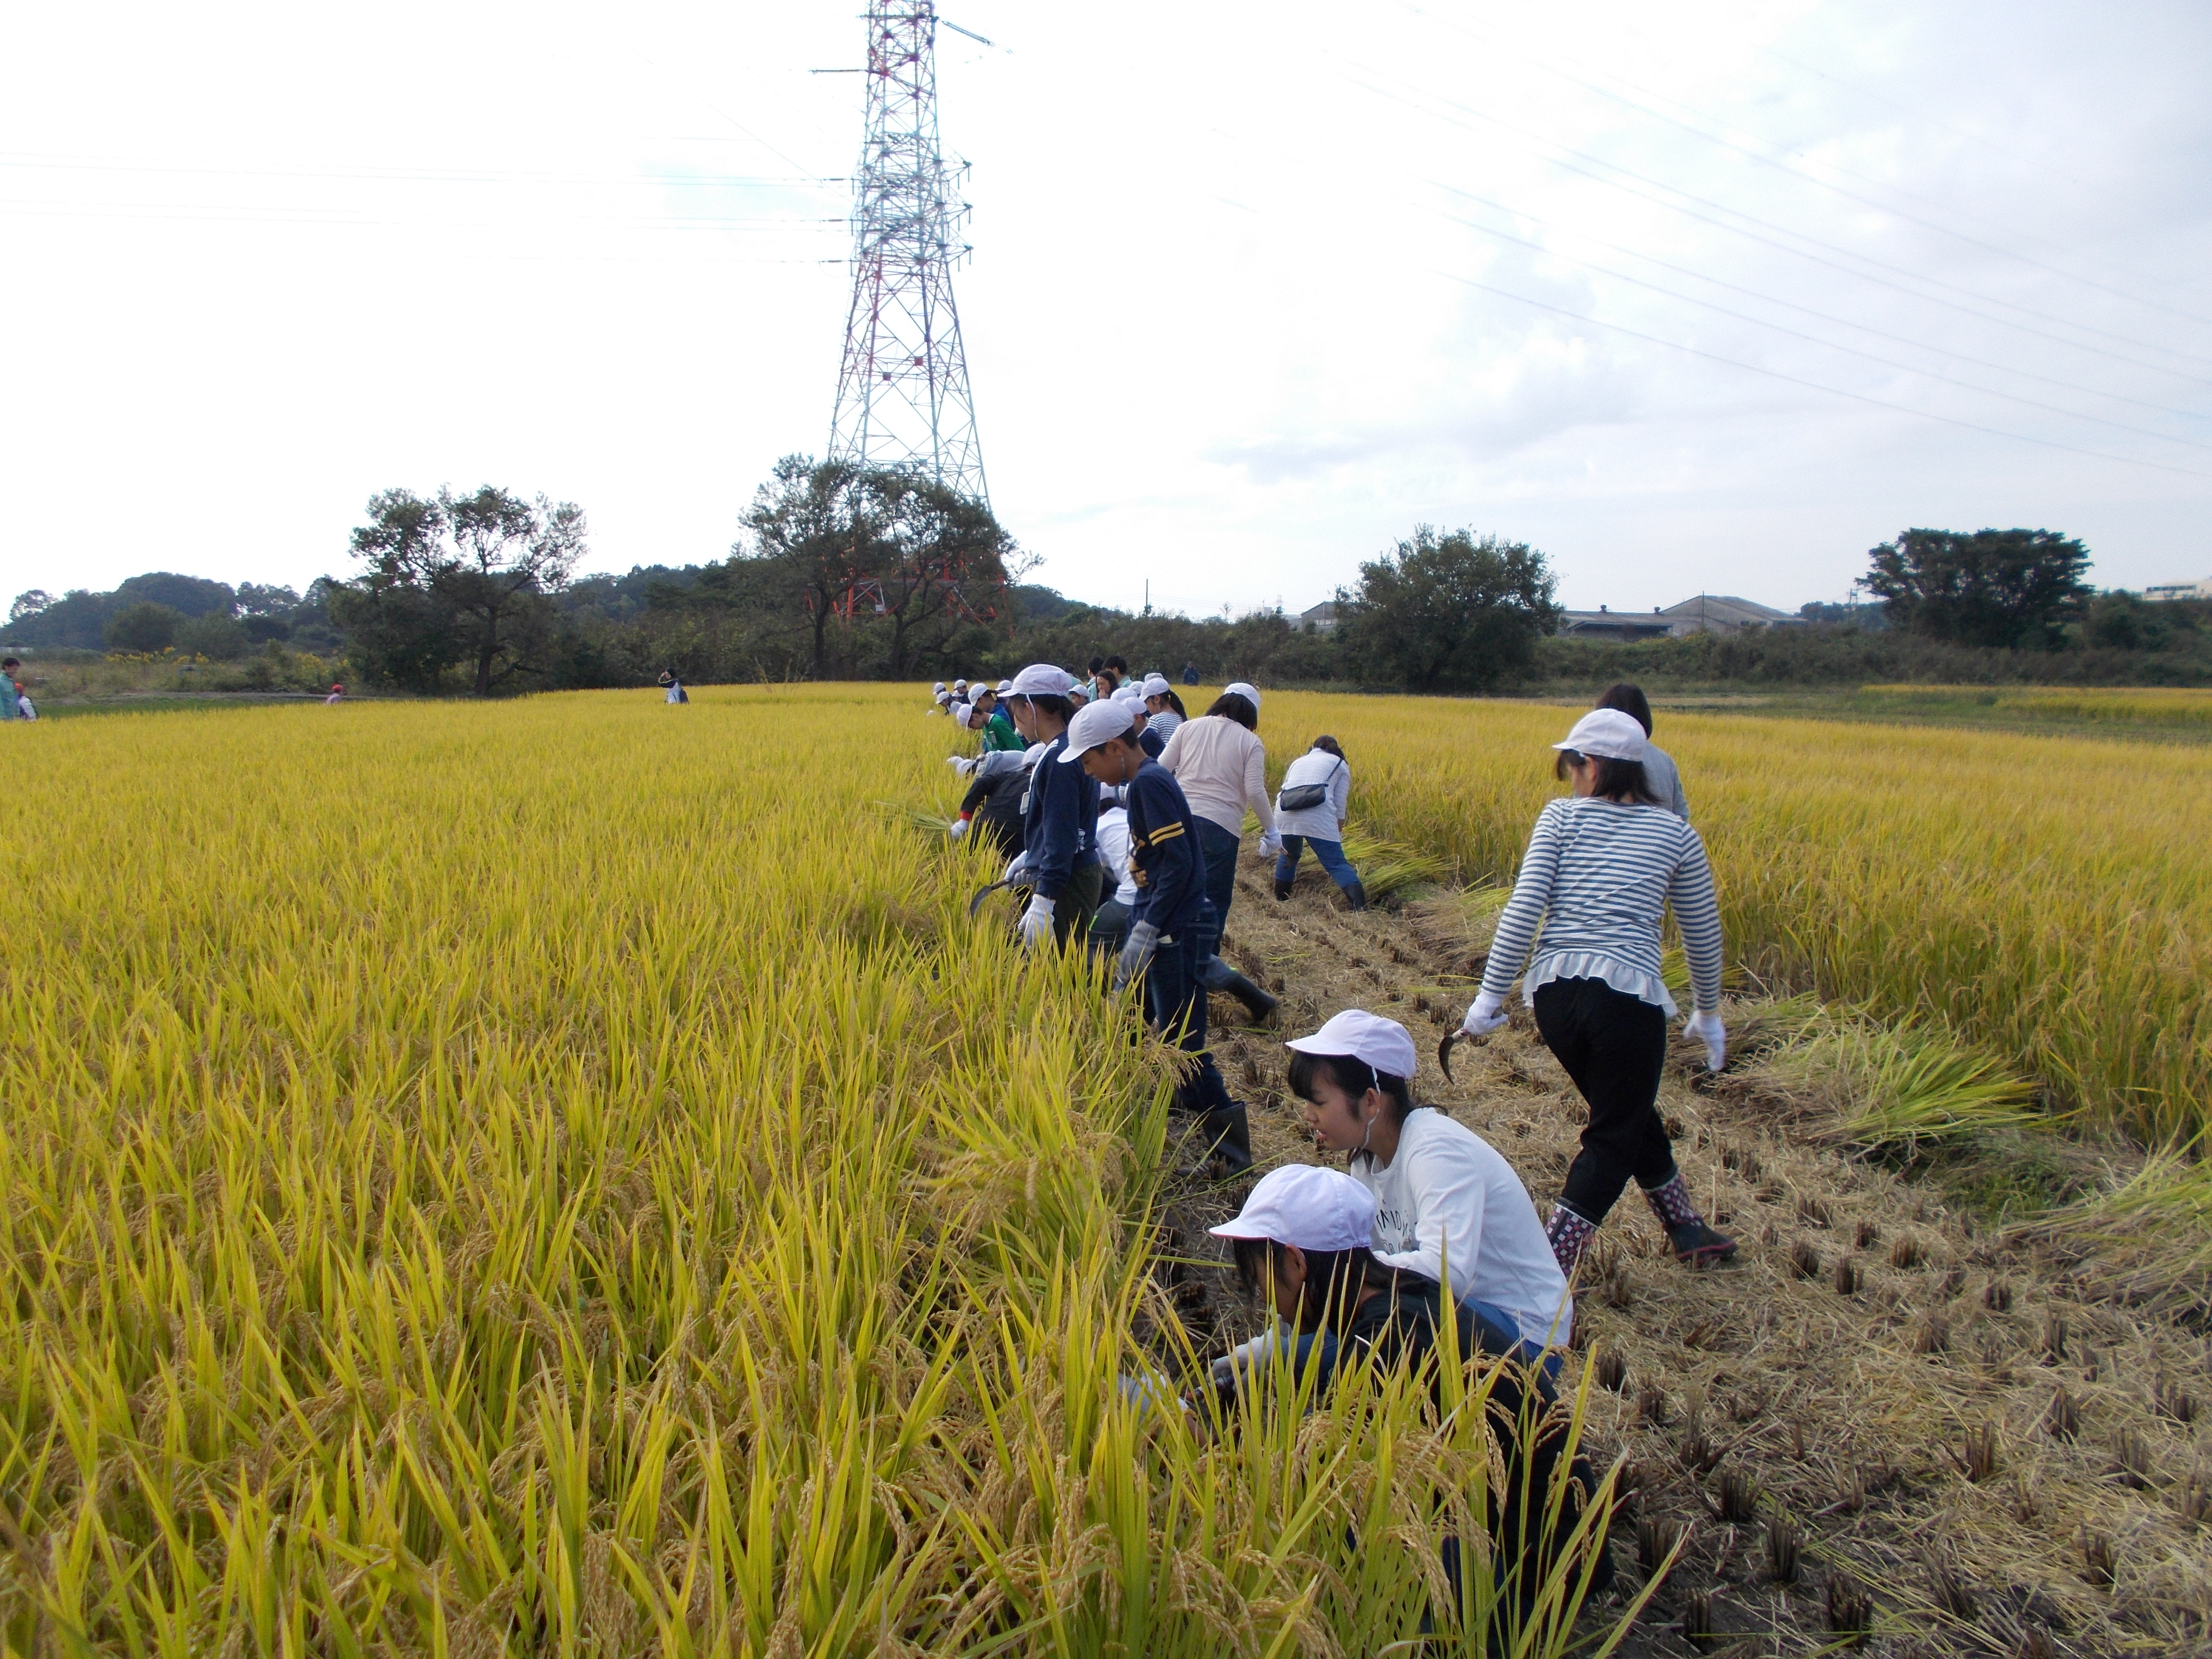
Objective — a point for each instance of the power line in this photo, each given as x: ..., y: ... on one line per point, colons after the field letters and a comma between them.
x: 1826, y: 317
x: 1816, y: 385
x: 1770, y: 241
x: 1831, y: 345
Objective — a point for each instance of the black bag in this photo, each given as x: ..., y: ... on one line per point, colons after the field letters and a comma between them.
x: 1306, y: 796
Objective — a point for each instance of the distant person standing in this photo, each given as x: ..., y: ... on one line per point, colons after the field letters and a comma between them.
x: 338, y: 694
x: 1660, y: 776
x: 673, y: 686
x: 11, y: 692
x: 1190, y: 673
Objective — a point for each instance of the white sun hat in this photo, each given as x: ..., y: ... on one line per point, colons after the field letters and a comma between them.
x: 1156, y: 685
x: 1039, y: 679
x: 1382, y: 1043
x: 1608, y: 734
x: 1308, y: 1206
x: 1244, y: 689
x: 1096, y: 723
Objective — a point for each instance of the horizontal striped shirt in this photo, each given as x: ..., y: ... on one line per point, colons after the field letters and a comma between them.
x: 1597, y: 877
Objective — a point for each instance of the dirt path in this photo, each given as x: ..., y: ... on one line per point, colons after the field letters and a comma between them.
x: 2007, y: 1462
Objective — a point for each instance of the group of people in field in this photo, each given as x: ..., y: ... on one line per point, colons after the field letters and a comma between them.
x: 1084, y: 784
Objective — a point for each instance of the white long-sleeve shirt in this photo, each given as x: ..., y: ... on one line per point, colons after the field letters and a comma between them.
x: 1114, y: 852
x: 1223, y: 769
x: 1598, y: 876
x: 1447, y: 1193
x: 1326, y: 820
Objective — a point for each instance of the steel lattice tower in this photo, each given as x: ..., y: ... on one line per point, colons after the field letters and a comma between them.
x: 902, y: 397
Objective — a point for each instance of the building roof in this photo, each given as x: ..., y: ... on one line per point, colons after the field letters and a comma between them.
x: 1724, y: 610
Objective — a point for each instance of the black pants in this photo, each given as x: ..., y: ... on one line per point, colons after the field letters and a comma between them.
x: 1614, y: 1046
x: 1078, y: 902
x: 1174, y: 996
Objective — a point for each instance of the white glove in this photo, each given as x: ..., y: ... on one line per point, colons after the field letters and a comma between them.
x: 1036, y: 922
x: 1014, y: 868
x: 959, y: 829
x: 1136, y: 952
x: 1487, y: 1015
x: 1706, y: 1025
x: 1272, y: 844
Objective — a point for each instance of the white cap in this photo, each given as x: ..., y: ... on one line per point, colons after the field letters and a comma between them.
x: 1005, y: 686
x: 1039, y: 679
x: 1096, y: 723
x: 959, y: 685
x: 1242, y: 689
x: 1128, y: 694
x: 1032, y: 755
x: 1608, y: 734
x: 1156, y: 685
x: 944, y: 698
x: 1306, y: 1205
x: 939, y: 686
x: 1382, y: 1043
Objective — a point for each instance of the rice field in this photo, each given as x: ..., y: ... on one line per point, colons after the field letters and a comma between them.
x: 2181, y: 708
x: 567, y: 1176
x: 2047, y: 898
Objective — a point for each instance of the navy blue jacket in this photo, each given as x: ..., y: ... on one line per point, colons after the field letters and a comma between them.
x: 1164, y: 857
x: 1059, y: 821
x: 1151, y: 741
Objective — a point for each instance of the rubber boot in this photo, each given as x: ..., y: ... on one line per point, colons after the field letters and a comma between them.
x: 1256, y: 1002
x: 1355, y: 896
x: 1283, y: 887
x: 1227, y: 1132
x: 1569, y: 1236
x: 1694, y: 1242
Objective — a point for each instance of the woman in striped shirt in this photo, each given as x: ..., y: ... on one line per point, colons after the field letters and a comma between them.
x: 1600, y: 871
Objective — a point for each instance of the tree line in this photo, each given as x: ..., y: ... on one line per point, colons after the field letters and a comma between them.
x: 846, y: 572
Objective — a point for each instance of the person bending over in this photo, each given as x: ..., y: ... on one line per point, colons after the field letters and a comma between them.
x: 1445, y: 1199
x: 1060, y: 814
x: 1168, y: 922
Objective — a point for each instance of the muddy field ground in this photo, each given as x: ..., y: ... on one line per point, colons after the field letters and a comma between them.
x: 1891, y: 1411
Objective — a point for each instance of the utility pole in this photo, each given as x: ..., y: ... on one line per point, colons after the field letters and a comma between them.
x: 903, y: 396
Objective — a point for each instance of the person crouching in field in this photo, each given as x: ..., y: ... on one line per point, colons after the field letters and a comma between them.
x: 1310, y: 806
x: 1170, y: 921
x: 999, y: 733
x: 1600, y: 872
x: 1447, y: 1202
x: 1060, y: 814
x: 998, y: 782
x: 1300, y: 1245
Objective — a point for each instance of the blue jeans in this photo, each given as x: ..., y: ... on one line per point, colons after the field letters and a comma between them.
x: 1219, y: 848
x: 1330, y: 852
x: 1505, y: 1333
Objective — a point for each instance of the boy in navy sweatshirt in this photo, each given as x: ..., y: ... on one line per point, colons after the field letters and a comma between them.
x: 1168, y: 926
x: 1059, y: 816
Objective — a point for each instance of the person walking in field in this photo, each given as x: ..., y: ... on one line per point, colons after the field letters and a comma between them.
x: 1222, y: 766
x: 1060, y: 814
x: 673, y: 687
x: 1600, y: 871
x: 1661, y: 776
x: 1169, y: 922
x: 1312, y: 806
x: 1447, y: 1204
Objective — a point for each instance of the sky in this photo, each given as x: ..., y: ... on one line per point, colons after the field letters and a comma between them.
x: 1703, y: 298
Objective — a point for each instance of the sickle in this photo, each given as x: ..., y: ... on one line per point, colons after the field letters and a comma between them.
x: 982, y: 893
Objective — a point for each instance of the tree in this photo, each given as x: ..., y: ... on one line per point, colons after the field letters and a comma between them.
x: 143, y: 627
x: 29, y: 604
x: 1995, y: 587
x: 941, y: 568
x: 821, y: 523
x: 1448, y: 613
x: 188, y: 595
x: 460, y: 580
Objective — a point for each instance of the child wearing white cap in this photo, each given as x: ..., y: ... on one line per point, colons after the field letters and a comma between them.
x: 1300, y: 1243
x: 1060, y: 814
x: 1162, y: 705
x: 1445, y: 1199
x: 1168, y: 921
x: 1601, y: 870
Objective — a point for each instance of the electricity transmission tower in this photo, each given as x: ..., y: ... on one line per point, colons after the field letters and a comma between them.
x: 902, y: 397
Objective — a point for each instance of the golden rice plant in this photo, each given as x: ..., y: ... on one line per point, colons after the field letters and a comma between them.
x: 2048, y: 899
x: 567, y: 1176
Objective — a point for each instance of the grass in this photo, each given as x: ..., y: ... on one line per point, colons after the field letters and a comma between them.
x: 512, y: 1178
